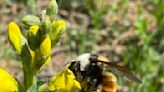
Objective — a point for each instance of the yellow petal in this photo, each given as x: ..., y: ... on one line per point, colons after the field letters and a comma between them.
x: 14, y: 35
x: 7, y: 82
x: 45, y: 47
x: 32, y: 56
x: 64, y: 81
x: 34, y: 29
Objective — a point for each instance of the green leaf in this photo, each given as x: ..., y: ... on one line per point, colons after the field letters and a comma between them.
x: 26, y: 56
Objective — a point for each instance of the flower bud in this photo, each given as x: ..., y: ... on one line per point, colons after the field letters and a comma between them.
x: 30, y: 20
x: 45, y: 25
x: 15, y: 37
x: 52, y: 9
x: 43, y: 55
x: 33, y: 37
x: 58, y: 29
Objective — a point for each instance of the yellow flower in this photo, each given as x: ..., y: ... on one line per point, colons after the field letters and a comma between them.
x: 14, y: 35
x: 7, y: 82
x: 62, y: 82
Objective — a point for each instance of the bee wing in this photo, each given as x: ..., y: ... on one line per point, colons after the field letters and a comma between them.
x: 124, y: 70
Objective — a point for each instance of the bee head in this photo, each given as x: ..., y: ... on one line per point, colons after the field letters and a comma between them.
x: 87, y: 67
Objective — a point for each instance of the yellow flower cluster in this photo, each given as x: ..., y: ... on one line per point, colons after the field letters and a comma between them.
x: 34, y: 48
x: 38, y: 43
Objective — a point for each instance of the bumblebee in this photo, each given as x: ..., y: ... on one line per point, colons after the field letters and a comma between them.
x: 90, y: 71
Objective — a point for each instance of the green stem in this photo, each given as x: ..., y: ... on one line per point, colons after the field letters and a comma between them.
x: 29, y: 80
x: 31, y: 5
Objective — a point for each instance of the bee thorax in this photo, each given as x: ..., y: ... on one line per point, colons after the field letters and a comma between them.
x: 84, y: 61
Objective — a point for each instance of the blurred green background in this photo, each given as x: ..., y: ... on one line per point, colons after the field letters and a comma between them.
x: 129, y: 32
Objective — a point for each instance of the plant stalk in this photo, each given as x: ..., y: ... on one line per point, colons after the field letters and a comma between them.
x: 29, y: 80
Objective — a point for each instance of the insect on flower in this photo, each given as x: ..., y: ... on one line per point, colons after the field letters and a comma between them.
x: 90, y: 71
